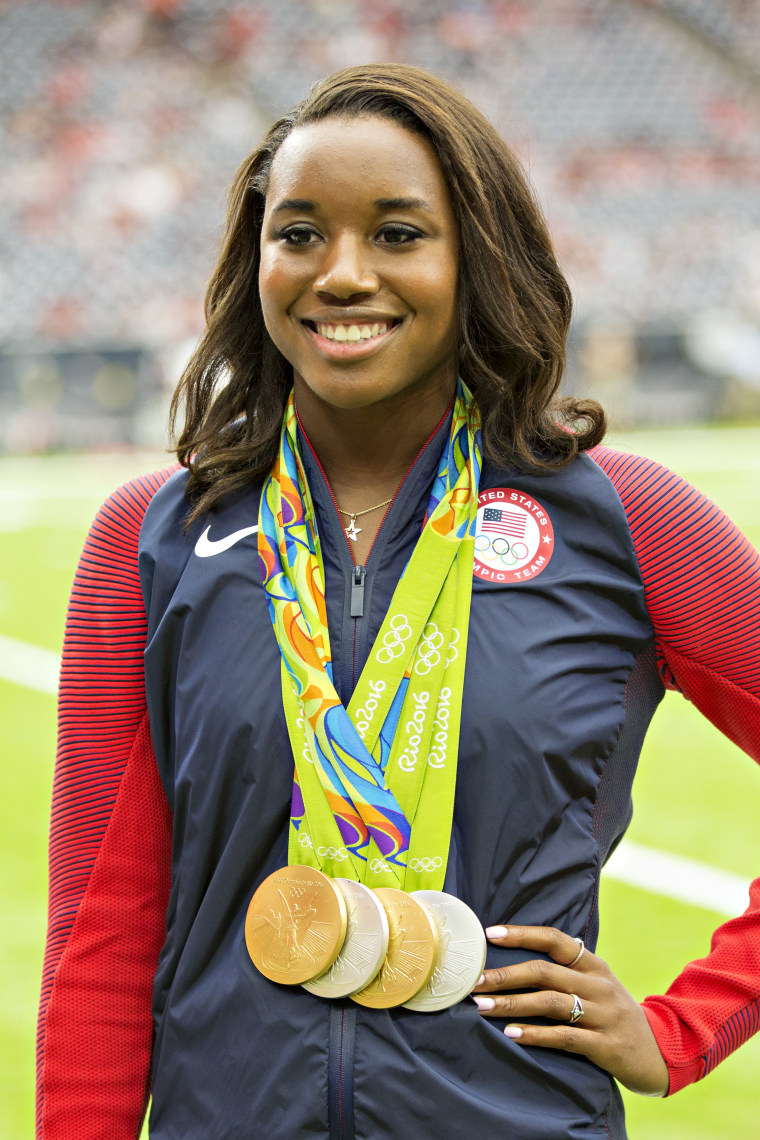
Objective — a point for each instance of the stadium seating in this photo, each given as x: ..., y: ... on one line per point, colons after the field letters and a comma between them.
x: 123, y: 124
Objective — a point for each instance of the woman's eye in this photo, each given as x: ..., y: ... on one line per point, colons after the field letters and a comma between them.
x: 398, y: 235
x: 298, y: 235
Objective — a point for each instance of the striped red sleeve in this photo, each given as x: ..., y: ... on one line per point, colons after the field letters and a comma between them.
x: 702, y: 582
x: 110, y: 849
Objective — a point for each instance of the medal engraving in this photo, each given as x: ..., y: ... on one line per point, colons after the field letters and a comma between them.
x: 412, y: 948
x: 363, y: 951
x: 461, y: 956
x: 295, y: 925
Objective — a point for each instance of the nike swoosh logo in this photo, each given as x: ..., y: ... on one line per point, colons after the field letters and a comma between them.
x: 206, y: 547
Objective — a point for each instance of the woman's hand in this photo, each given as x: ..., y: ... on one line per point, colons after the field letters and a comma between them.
x: 597, y: 1015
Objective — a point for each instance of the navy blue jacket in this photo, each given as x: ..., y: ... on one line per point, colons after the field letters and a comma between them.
x: 559, y: 689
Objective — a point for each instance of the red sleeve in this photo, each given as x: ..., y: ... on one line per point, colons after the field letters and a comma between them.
x: 702, y: 582
x: 110, y: 849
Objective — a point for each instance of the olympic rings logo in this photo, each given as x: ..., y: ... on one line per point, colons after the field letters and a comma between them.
x: 426, y: 864
x: 429, y: 649
x: 338, y: 853
x: 393, y: 640
x: 380, y: 865
x: 509, y: 554
x: 452, y: 652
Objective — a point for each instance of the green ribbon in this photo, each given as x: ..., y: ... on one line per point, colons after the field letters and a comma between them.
x: 374, y: 789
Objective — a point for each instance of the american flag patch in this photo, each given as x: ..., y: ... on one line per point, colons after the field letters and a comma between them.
x: 509, y: 523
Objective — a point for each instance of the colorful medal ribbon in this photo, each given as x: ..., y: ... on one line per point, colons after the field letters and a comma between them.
x: 373, y: 793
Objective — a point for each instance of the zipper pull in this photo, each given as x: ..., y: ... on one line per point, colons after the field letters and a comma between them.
x: 357, y: 592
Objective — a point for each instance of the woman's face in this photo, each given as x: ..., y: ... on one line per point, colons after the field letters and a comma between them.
x: 359, y: 263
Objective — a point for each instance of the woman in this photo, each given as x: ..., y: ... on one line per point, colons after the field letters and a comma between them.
x: 381, y: 243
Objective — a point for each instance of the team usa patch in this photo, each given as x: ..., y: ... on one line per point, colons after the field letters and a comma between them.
x: 514, y: 537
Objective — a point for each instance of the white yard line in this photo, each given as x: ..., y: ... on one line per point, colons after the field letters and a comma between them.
x: 659, y: 872
x: 677, y: 877
x: 28, y: 665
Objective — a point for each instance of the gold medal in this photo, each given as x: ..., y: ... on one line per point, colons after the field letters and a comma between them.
x: 412, y: 950
x: 295, y: 925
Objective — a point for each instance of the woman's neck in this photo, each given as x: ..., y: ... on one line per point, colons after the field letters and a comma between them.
x: 366, y: 452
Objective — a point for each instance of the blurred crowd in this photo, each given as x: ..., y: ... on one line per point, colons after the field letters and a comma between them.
x: 123, y: 122
x: 732, y: 25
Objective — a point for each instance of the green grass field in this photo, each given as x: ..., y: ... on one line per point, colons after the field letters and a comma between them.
x: 696, y: 795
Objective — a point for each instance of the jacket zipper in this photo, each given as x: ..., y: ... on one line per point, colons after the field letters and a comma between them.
x: 358, y: 577
x: 357, y: 591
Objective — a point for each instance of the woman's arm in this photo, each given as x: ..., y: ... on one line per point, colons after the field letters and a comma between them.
x: 110, y: 850
x: 702, y: 580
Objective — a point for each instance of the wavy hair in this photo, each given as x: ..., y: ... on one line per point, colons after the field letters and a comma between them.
x: 515, y: 304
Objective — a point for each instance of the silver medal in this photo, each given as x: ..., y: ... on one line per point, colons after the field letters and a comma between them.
x: 364, y: 947
x: 461, y: 954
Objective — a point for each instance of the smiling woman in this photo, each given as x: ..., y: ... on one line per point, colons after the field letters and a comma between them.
x: 382, y: 182
x: 359, y: 289
x: 337, y: 265
x: 304, y: 764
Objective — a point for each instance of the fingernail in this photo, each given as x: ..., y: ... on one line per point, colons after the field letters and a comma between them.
x: 496, y: 932
x: 513, y: 1031
x: 484, y: 1003
x: 480, y: 981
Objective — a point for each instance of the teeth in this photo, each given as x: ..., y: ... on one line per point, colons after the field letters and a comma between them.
x: 352, y: 332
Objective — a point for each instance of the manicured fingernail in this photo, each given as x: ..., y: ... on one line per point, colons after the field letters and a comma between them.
x: 496, y: 932
x: 480, y: 981
x: 513, y: 1031
x: 484, y: 1003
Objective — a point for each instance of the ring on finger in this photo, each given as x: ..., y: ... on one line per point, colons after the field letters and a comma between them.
x: 579, y: 955
x: 577, y: 1012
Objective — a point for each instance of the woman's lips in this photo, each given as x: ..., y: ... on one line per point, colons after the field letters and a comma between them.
x: 349, y: 341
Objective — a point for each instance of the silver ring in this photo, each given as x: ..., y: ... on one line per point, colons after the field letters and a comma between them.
x: 579, y: 955
x: 577, y: 1011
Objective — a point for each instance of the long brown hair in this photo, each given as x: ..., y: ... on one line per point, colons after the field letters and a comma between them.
x: 514, y: 301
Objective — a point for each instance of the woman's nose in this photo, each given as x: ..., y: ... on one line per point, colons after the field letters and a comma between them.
x: 345, y: 269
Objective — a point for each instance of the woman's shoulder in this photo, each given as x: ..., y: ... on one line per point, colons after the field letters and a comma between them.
x: 628, y: 470
x: 653, y: 495
x: 672, y: 522
x: 125, y: 508
x: 114, y: 535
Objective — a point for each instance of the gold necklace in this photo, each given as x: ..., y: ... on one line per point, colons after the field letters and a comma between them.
x: 352, y: 530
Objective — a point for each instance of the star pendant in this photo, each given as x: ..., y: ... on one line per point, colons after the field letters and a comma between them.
x: 352, y: 530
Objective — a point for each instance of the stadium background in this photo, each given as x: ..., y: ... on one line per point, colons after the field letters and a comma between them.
x: 121, y: 125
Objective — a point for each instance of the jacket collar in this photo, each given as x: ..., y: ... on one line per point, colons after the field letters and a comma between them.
x: 407, y: 510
